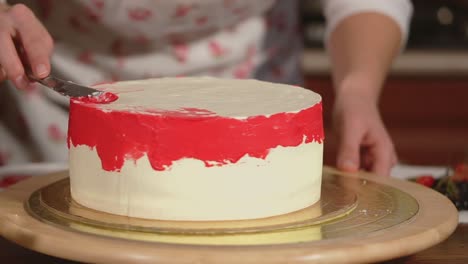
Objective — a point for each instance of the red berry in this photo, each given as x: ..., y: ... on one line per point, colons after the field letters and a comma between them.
x: 461, y: 168
x: 426, y: 180
x: 461, y: 173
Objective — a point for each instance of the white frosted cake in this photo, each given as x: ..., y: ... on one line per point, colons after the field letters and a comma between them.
x: 197, y: 149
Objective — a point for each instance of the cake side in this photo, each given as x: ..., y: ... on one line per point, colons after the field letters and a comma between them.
x: 119, y: 135
x: 288, y: 179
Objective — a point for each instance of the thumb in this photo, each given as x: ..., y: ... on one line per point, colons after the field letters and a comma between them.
x: 3, y: 74
x: 348, y: 150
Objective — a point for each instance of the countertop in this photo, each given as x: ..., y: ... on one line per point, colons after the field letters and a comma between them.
x: 411, y: 62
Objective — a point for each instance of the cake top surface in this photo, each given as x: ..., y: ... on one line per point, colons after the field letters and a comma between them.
x: 205, y: 96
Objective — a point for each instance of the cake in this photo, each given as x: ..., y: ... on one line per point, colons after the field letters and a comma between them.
x: 197, y: 149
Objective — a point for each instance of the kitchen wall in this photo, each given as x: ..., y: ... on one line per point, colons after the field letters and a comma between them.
x: 425, y: 99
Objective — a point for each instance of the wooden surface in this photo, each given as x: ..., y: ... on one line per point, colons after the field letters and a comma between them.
x: 454, y: 250
x: 435, y: 221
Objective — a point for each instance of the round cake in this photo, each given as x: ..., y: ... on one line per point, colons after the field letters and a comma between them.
x: 197, y: 149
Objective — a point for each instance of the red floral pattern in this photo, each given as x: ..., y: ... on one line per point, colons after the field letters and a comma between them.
x: 92, y: 15
x: 86, y: 57
x: 99, y: 4
x: 182, y: 10
x: 55, y: 133
x: 201, y: 21
x: 139, y: 14
x: 142, y: 40
x: 216, y: 49
x: 229, y: 3
x: 180, y: 51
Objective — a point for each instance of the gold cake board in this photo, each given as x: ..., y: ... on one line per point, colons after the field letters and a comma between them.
x: 361, y: 218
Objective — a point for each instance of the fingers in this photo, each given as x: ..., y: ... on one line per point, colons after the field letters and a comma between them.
x: 34, y: 38
x: 10, y: 62
x: 363, y: 143
x: 24, y: 42
x: 348, y: 151
x: 3, y: 75
x: 383, y: 155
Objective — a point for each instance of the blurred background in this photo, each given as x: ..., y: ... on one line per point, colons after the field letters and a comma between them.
x: 425, y: 100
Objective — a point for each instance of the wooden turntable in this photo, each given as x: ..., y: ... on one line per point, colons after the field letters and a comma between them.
x: 360, y: 218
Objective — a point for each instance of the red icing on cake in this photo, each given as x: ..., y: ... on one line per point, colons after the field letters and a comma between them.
x: 168, y: 136
x: 103, y: 98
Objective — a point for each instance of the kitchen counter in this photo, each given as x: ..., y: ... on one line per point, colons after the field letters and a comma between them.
x: 444, y: 63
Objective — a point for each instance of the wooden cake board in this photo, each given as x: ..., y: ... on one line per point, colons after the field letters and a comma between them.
x: 433, y: 221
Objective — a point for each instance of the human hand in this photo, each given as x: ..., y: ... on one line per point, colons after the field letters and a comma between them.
x: 363, y: 142
x: 23, y: 39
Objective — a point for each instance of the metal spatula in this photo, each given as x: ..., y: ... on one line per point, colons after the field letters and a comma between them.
x: 66, y: 88
x: 63, y: 87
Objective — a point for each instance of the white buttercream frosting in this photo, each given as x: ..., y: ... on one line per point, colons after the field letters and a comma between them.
x: 233, y: 98
x: 288, y: 179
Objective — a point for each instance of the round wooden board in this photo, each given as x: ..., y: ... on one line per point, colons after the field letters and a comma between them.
x: 435, y: 220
